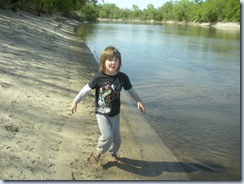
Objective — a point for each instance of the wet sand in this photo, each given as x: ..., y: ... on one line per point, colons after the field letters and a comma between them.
x: 43, y: 67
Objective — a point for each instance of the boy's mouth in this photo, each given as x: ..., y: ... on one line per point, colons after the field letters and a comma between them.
x: 113, y: 67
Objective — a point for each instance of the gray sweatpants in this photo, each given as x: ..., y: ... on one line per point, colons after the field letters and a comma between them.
x: 110, y: 133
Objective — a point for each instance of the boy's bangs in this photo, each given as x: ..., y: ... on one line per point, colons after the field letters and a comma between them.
x: 116, y: 54
x: 109, y: 54
x: 113, y: 53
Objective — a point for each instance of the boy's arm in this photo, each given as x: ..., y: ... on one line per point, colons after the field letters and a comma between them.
x: 83, y: 92
x: 138, y: 100
x: 134, y: 95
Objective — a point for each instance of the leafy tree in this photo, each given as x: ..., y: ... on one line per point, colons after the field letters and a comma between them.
x: 90, y: 12
x: 136, y: 12
x: 151, y: 12
x: 38, y: 6
x: 231, y: 10
x: 198, y: 16
x: 125, y: 13
x: 64, y: 6
x: 167, y: 11
x: 110, y: 11
x: 180, y: 10
x: 219, y: 6
x: 209, y: 12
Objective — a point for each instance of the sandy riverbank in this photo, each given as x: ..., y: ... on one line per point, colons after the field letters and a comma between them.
x: 43, y: 66
x: 235, y: 26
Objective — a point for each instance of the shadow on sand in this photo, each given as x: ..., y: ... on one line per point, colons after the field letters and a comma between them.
x: 148, y: 168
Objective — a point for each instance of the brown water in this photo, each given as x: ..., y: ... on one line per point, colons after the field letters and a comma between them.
x: 189, y: 80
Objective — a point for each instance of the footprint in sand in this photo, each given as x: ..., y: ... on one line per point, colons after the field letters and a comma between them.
x: 11, y: 128
x: 5, y: 85
x: 83, y: 170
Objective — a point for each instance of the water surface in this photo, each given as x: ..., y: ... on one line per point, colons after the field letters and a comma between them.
x: 189, y: 80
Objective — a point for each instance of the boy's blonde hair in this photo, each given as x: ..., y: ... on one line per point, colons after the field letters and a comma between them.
x: 109, y: 53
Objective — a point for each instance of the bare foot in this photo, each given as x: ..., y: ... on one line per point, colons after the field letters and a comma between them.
x: 94, y: 158
x: 116, y: 158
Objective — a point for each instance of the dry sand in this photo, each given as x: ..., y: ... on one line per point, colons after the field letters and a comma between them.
x: 43, y: 67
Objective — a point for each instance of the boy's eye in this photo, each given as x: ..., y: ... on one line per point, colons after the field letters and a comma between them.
x: 113, y: 59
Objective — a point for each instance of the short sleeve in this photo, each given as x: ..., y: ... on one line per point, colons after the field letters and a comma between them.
x: 93, y: 82
x: 127, y: 84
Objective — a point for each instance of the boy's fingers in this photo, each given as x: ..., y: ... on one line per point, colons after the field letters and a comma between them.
x: 72, y: 110
x: 141, y: 108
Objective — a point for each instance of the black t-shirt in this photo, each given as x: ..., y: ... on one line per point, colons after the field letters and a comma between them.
x: 108, y: 92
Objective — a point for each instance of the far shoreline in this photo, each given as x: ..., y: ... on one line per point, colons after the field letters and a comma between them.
x: 218, y: 25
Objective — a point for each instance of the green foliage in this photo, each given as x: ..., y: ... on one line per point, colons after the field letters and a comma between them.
x: 135, y: 13
x: 64, y: 6
x: 231, y: 10
x: 167, y: 11
x: 183, y: 10
x: 209, y: 13
x: 90, y: 12
x: 111, y: 11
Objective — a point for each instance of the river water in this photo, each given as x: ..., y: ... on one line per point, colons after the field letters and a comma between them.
x: 189, y: 80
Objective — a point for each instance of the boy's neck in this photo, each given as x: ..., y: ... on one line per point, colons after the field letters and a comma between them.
x: 111, y: 73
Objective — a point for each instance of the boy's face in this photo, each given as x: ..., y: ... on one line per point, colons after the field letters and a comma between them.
x: 112, y: 65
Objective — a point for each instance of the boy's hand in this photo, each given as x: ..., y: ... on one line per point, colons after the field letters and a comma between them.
x: 74, y: 107
x: 140, y: 107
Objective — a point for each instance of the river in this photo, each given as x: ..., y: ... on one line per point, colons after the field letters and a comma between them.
x: 189, y: 80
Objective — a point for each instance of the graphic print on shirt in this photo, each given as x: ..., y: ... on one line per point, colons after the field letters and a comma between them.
x: 107, y: 93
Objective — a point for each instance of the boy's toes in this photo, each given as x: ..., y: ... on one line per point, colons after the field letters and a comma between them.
x: 94, y: 159
x: 116, y: 158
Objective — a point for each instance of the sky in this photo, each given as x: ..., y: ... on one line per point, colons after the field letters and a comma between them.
x: 142, y: 4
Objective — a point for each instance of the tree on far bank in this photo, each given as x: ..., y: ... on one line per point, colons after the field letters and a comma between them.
x: 167, y: 11
x: 176, y: 10
x: 183, y: 10
x: 232, y: 10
